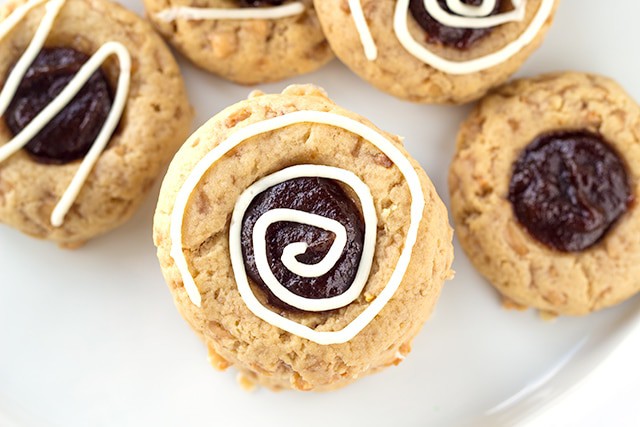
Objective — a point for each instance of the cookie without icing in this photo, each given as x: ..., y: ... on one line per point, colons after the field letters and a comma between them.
x: 569, y: 270
x: 245, y: 51
x: 207, y: 273
x: 397, y: 71
x: 156, y: 119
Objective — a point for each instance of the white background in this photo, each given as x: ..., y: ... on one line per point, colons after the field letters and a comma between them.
x: 609, y: 396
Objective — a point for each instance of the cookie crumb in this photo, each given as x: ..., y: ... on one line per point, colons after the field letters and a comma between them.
x: 305, y: 90
x: 298, y: 383
x: 405, y: 348
x: 451, y: 274
x: 255, y: 94
x: 72, y: 245
x: 509, y: 304
x: 246, y: 382
x: 399, y: 358
x: 217, y: 361
x: 548, y: 316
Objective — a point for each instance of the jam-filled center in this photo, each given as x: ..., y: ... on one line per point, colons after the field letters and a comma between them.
x: 460, y: 38
x: 319, y: 196
x: 568, y: 188
x: 260, y: 3
x: 71, y: 133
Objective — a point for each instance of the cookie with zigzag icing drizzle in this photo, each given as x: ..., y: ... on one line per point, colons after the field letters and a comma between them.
x: 92, y: 106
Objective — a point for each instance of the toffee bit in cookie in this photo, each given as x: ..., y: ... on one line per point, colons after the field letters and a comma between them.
x: 318, y: 196
x: 71, y: 133
x: 568, y: 188
x: 260, y: 3
x: 460, y: 38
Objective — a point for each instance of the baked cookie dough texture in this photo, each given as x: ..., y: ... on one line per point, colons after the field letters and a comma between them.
x: 522, y: 269
x: 263, y: 353
x: 245, y: 50
x: 397, y: 71
x: 155, y: 121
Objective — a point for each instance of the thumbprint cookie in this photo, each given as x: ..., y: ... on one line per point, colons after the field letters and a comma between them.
x: 301, y: 243
x: 435, y: 51
x: 245, y: 41
x: 544, y: 188
x: 92, y: 106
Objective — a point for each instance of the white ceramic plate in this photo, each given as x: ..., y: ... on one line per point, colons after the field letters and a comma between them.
x: 91, y: 337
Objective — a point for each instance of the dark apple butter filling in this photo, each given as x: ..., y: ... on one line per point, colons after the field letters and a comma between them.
x: 318, y: 196
x: 72, y: 132
x: 460, y: 38
x: 260, y: 3
x: 568, y: 188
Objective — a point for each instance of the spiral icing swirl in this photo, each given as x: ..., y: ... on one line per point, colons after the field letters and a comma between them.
x: 460, y: 38
x: 464, y: 15
x: 459, y: 15
x: 303, y: 238
x: 305, y: 233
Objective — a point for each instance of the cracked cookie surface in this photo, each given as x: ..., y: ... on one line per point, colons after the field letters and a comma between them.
x: 156, y: 120
x: 245, y: 51
x: 235, y: 336
x: 525, y: 271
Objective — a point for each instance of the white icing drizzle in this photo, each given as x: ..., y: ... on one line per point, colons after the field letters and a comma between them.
x: 483, y: 9
x: 370, y: 47
x: 472, y: 17
x: 52, y: 9
x: 292, y: 250
x: 200, y: 13
x: 474, y: 21
x: 331, y: 119
x: 288, y: 257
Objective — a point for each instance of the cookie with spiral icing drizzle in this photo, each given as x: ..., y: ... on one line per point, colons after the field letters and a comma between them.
x: 300, y: 241
x: 89, y: 116
x: 245, y: 41
x: 435, y: 51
